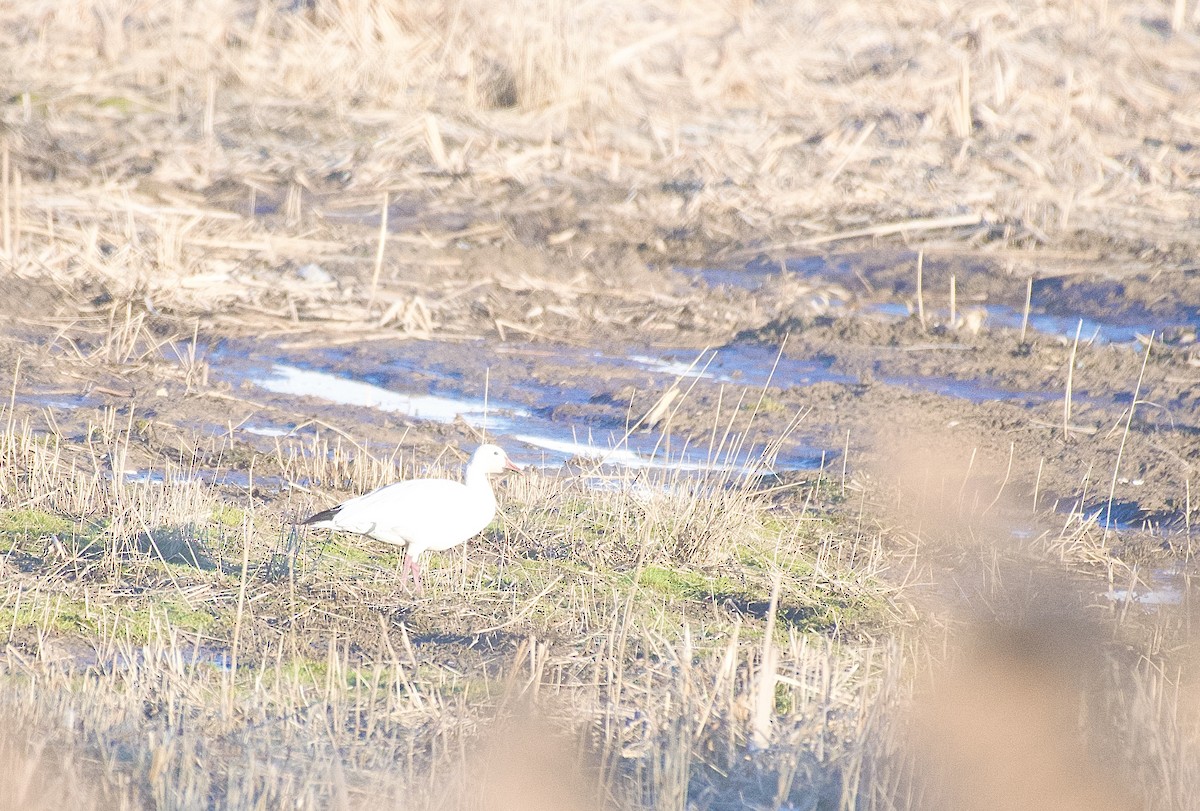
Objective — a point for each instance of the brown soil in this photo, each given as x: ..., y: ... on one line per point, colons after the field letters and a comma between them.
x: 985, y: 393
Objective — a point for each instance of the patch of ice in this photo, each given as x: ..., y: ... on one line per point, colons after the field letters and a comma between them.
x: 1165, y: 588
x: 1164, y: 596
x: 568, y: 448
x: 628, y: 458
x: 314, y: 274
x: 138, y: 476
x: 679, y: 368
x: 292, y: 380
x: 267, y: 430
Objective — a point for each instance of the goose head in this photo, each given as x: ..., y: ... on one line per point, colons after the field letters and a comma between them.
x: 490, y: 459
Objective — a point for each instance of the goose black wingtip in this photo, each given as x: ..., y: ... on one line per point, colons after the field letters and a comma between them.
x: 324, y: 515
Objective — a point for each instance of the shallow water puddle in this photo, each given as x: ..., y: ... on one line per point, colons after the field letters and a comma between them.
x: 286, y: 379
x: 193, y: 657
x: 548, y: 441
x: 973, y: 390
x: 269, y: 430
x: 1047, y: 315
x: 618, y: 454
x: 742, y: 364
x: 1163, y: 587
x: 756, y: 365
x: 1064, y: 326
x: 1059, y: 326
x: 211, y: 476
x: 52, y: 398
x: 532, y: 384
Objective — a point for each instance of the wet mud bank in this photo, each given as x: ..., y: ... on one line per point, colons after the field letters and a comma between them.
x: 1082, y: 403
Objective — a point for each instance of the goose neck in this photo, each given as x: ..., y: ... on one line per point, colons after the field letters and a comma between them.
x: 477, y: 479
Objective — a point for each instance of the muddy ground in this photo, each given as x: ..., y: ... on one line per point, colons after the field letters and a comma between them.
x: 826, y: 355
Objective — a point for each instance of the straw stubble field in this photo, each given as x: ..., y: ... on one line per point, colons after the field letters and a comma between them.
x: 922, y: 622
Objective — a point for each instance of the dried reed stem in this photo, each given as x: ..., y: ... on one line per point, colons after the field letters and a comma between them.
x: 1025, y: 312
x: 765, y: 677
x: 247, y: 532
x: 380, y: 247
x: 1037, y: 484
x: 962, y: 110
x: 5, y: 210
x: 887, y: 229
x: 953, y: 301
x: 1137, y: 389
x: 1070, y: 381
x: 921, y: 287
x: 845, y: 460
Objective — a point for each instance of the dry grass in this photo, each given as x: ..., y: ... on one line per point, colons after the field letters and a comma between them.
x: 140, y: 140
x: 177, y: 643
x: 687, y: 645
x: 654, y: 665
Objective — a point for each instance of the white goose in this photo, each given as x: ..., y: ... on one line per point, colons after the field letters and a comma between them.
x: 422, y: 514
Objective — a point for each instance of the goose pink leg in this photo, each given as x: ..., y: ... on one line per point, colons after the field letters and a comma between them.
x: 412, y: 567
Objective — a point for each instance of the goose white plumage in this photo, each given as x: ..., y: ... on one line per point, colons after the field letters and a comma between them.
x: 421, y: 514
